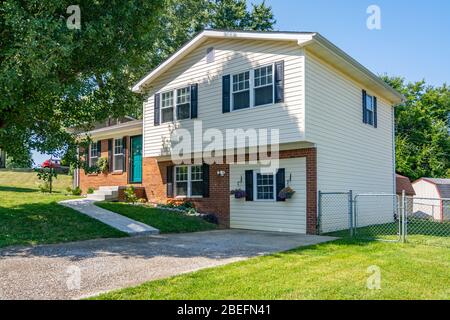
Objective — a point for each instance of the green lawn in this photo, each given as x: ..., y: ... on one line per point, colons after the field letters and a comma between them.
x: 164, y: 220
x: 29, y: 217
x: 420, y: 231
x: 336, y: 270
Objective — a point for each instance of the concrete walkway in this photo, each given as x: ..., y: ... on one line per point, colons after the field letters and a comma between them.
x: 80, y: 269
x: 117, y: 221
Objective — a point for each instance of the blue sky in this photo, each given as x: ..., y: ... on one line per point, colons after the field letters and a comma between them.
x: 414, y: 40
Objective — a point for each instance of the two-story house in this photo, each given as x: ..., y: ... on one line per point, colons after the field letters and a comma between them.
x: 331, y: 121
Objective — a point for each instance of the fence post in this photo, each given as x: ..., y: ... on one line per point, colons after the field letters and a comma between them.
x: 319, y: 214
x: 350, y: 212
x: 403, y: 216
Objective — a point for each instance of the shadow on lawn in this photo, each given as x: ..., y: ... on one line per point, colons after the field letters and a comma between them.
x: 218, y: 244
x: 17, y: 189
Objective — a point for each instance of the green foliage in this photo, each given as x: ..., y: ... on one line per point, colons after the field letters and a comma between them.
x: 76, y: 191
x: 422, y: 124
x: 130, y: 195
x: 52, y: 77
x: 102, y: 165
x: 90, y: 190
x: 20, y: 160
x: 46, y: 175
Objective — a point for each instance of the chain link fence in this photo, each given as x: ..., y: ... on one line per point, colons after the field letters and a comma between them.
x: 386, y: 217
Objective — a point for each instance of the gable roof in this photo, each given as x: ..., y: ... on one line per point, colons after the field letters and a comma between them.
x: 312, y: 40
x: 403, y: 183
x: 442, y: 186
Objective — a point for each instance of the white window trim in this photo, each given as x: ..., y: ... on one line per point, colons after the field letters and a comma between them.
x: 174, y: 104
x: 90, y: 153
x: 117, y: 154
x: 252, y: 87
x: 255, y: 187
x: 189, y: 183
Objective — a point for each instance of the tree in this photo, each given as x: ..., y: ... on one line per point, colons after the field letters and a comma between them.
x: 52, y: 77
x: 422, y: 129
x: 23, y: 160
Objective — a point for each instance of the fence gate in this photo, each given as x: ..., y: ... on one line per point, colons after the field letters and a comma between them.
x: 378, y: 216
x: 335, y: 213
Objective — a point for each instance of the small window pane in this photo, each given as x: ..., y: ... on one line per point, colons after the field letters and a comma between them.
x: 241, y: 81
x: 263, y: 76
x: 167, y: 99
x: 263, y: 95
x: 183, y: 111
x: 197, y: 188
x: 181, y: 188
x: 118, y: 149
x: 241, y: 100
x: 167, y: 115
x: 118, y: 163
x: 183, y: 95
x: 196, y: 173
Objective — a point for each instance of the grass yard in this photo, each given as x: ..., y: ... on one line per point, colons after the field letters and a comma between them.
x: 30, y: 217
x: 335, y: 270
x: 420, y: 231
x: 164, y: 220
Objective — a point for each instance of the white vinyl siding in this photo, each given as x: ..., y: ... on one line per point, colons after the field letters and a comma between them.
x: 280, y: 216
x: 231, y: 57
x: 350, y: 154
x: 430, y: 206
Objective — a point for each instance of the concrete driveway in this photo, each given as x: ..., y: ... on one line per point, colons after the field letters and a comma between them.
x: 80, y: 269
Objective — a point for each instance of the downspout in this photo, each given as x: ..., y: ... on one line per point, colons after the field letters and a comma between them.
x: 394, y: 169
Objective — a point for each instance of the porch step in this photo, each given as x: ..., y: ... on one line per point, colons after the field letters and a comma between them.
x: 104, y: 193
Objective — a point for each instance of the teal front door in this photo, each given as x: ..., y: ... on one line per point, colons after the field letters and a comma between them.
x: 136, y: 159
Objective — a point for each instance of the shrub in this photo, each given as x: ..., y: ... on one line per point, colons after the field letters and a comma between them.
x: 130, y: 196
x: 210, y: 217
x: 90, y: 190
x: 44, y: 187
x: 76, y: 191
x: 102, y: 165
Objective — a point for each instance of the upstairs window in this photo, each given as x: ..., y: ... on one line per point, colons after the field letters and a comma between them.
x: 183, y: 103
x: 241, y: 90
x: 369, y: 109
x: 263, y: 85
x: 167, y: 107
x: 118, y: 155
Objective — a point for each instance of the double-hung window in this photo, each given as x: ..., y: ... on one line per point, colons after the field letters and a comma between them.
x: 118, y: 155
x: 241, y: 90
x: 167, y: 106
x: 370, y: 108
x: 94, y: 154
x: 263, y: 85
x: 188, y: 181
x: 265, y: 186
x: 183, y: 103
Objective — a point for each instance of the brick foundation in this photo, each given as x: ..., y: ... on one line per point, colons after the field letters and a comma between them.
x: 154, y: 181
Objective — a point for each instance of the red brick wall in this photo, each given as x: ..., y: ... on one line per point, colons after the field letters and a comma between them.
x: 105, y: 179
x: 154, y: 181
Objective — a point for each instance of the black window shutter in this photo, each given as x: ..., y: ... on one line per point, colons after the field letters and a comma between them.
x: 110, y: 155
x: 124, y: 148
x: 205, y: 171
x: 99, y: 148
x: 279, y: 81
x: 226, y: 94
x: 249, y: 185
x: 364, y: 106
x: 194, y: 101
x: 281, y: 182
x: 87, y: 155
x: 157, y: 108
x: 375, y: 109
x: 169, y: 181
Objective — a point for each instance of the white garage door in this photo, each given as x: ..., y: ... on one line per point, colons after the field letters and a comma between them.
x: 270, y: 215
